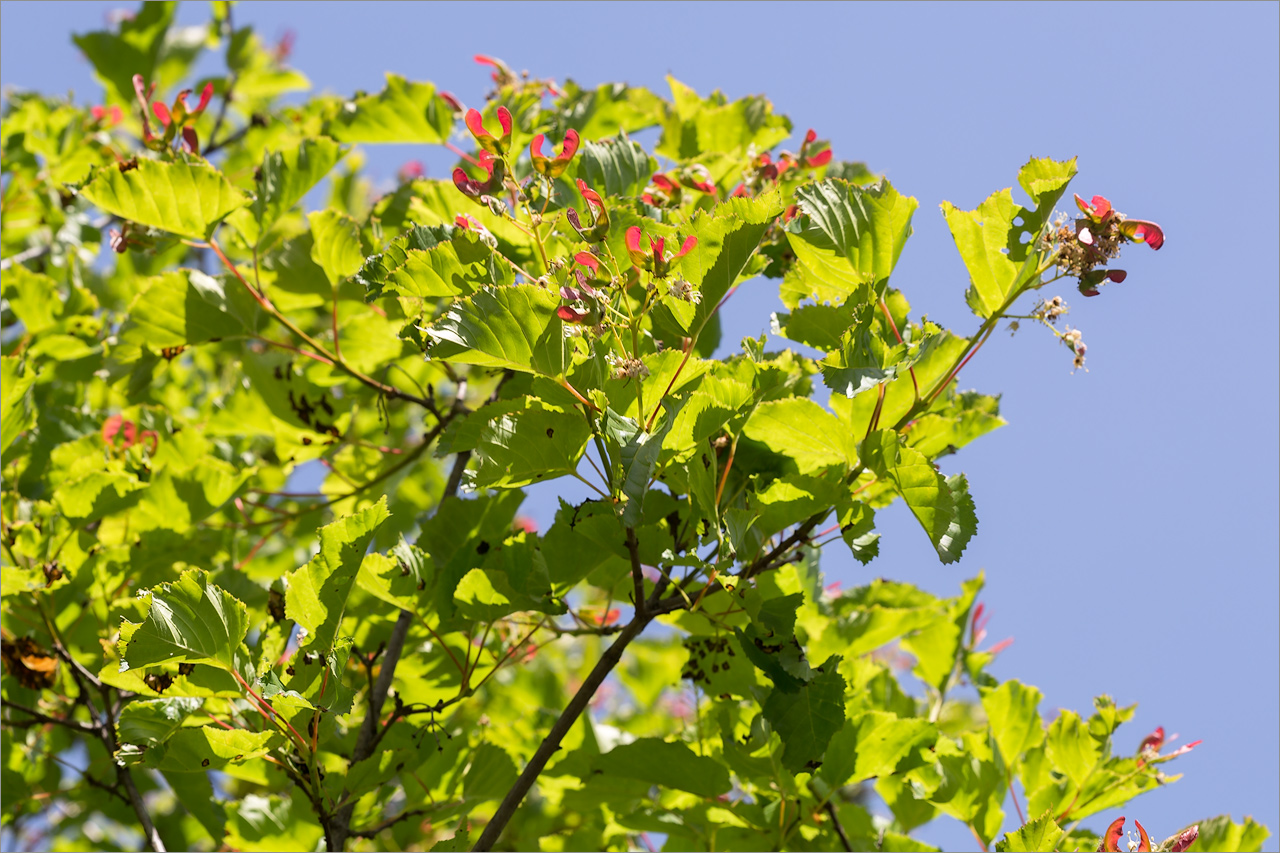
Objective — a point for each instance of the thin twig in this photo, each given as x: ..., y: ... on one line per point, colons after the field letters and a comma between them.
x: 637, y: 573
x: 45, y: 718
x: 124, y: 777
x: 551, y: 743
x: 387, y: 824
x: 835, y: 821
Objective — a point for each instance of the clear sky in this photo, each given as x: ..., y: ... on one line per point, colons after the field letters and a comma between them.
x: 1128, y: 513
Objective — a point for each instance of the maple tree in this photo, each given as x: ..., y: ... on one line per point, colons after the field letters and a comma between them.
x: 398, y: 659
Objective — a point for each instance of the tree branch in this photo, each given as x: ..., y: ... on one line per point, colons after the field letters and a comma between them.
x: 44, y: 718
x: 387, y: 824
x: 637, y: 573
x: 835, y: 821
x: 551, y: 743
x: 123, y: 777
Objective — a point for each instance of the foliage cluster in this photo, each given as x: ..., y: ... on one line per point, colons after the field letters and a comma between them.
x: 199, y: 654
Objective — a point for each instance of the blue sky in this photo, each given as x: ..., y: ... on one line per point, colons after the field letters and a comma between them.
x: 1128, y: 513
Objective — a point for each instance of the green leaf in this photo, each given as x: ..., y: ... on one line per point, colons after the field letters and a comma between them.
x: 728, y: 237
x: 457, y: 265
x: 991, y: 238
x: 209, y: 747
x: 266, y: 824
x: 33, y: 297
x: 521, y: 441
x: 1070, y: 748
x: 852, y: 234
x: 335, y: 244
x: 864, y: 360
x: 720, y: 666
x: 151, y: 721
x: 1042, y: 834
x: 873, y: 744
x: 818, y: 326
x: 941, y: 504
x: 857, y: 529
x: 801, y: 429
x: 882, y: 611
x: 639, y: 457
x: 609, y: 109
x: 616, y: 167
x: 195, y: 794
x: 16, y: 412
x: 807, y: 718
x: 97, y: 494
x: 514, y: 578
x: 960, y: 419
x: 513, y: 327
x: 711, y: 126
x: 1012, y: 711
x: 453, y: 535
x: 286, y: 176
x: 317, y: 593
x: 791, y: 499
x: 404, y: 112
x: 183, y: 198
x: 1221, y: 833
x: 669, y: 765
x: 135, y: 49
x: 176, y: 309
x: 965, y: 782
x: 491, y: 773
x: 188, y: 621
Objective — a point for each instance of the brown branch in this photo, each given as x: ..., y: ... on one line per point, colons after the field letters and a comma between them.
x: 125, y: 778
x: 637, y: 573
x: 551, y: 743
x: 40, y: 718
x: 835, y: 821
x: 386, y: 824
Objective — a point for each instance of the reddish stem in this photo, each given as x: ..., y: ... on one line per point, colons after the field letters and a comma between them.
x: 1016, y: 805
x: 299, y: 351
x: 337, y: 348
x: 725, y: 474
x: 649, y: 426
x: 875, y: 415
x: 464, y: 155
x: 959, y: 367
x: 894, y: 326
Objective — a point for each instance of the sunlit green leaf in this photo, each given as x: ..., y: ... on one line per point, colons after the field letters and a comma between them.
x: 404, y: 111
x: 1012, y: 709
x: 671, y: 765
x: 872, y: 744
x: 317, y: 592
x: 941, y: 504
x: 512, y: 327
x: 190, y: 621
x: 183, y: 198
x: 151, y: 721
x: 335, y: 244
x: 852, y: 234
x: 997, y: 241
x: 1042, y: 834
